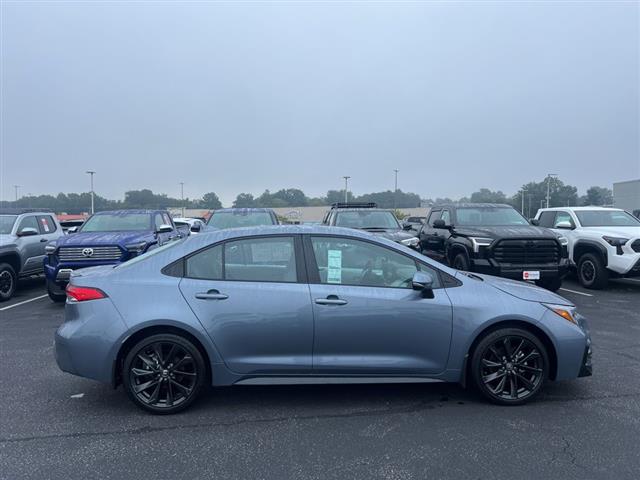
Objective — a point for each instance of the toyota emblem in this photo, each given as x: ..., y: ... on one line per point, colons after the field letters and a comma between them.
x: 87, y: 252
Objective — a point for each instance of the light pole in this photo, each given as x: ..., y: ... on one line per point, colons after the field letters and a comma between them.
x: 346, y: 188
x: 15, y: 188
x: 549, y: 176
x: 182, y: 197
x: 395, y: 191
x: 522, y: 193
x: 91, y: 174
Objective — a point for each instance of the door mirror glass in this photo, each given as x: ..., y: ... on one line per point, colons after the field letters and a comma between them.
x: 196, y: 227
x: 164, y: 228
x: 422, y: 281
x: 534, y: 222
x: 72, y: 229
x: 27, y: 232
x: 407, y: 226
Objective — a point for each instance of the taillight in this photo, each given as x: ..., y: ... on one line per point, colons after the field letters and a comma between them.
x: 82, y: 294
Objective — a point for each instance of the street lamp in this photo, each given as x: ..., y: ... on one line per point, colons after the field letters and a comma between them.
x: 523, y: 190
x: 395, y: 191
x: 346, y: 187
x: 549, y: 177
x: 182, y: 197
x: 91, y: 173
x: 16, y: 187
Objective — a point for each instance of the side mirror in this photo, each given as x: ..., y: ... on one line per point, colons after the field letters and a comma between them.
x: 196, y: 227
x: 564, y: 225
x: 407, y: 226
x: 28, y: 232
x: 165, y: 228
x: 422, y: 281
x: 439, y: 223
x: 72, y: 229
x: 534, y: 222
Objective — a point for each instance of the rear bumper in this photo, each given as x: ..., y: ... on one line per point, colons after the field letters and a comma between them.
x: 547, y: 271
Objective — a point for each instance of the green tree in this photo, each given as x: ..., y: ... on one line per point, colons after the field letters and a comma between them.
x: 244, y: 200
x: 597, y: 196
x: 484, y: 195
x: 211, y: 201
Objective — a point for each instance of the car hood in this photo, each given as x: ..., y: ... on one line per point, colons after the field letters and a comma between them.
x: 522, y: 290
x: 626, y: 232
x: 523, y: 231
x: 7, y: 239
x: 103, y: 238
x: 394, y: 235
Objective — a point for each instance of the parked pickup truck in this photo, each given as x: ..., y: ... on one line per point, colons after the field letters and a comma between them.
x: 24, y: 234
x: 496, y: 240
x: 106, y: 238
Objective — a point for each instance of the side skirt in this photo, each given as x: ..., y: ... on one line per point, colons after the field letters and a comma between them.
x: 319, y: 380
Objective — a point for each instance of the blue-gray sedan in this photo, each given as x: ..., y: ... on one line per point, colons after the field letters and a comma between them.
x: 310, y: 304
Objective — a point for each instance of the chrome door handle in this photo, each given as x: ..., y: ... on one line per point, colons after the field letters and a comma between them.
x: 211, y: 295
x: 330, y: 301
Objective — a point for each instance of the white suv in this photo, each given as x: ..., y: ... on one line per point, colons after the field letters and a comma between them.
x: 603, y: 242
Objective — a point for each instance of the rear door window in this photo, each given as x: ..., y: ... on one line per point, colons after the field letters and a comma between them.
x: 261, y: 260
x: 46, y: 224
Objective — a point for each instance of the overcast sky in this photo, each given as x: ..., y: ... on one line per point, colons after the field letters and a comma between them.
x: 243, y: 97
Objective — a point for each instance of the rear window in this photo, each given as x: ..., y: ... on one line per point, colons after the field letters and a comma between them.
x: 224, y: 220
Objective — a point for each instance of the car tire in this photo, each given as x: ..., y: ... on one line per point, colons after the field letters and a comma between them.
x: 54, y: 292
x: 551, y: 284
x: 8, y: 281
x: 509, y: 366
x: 461, y: 262
x: 151, y: 377
x: 591, y: 271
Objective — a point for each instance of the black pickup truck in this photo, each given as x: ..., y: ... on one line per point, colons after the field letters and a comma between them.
x: 496, y: 240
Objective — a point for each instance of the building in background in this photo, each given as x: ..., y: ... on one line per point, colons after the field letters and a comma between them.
x: 626, y: 195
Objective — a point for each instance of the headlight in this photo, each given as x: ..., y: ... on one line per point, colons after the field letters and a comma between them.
x: 136, y: 247
x: 565, y: 311
x: 410, y: 242
x: 480, y: 242
x: 564, y: 241
x: 50, y: 249
x: 615, y: 241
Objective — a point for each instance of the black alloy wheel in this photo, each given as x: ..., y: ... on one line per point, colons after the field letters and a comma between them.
x: 164, y: 373
x: 510, y: 366
x: 591, y: 271
x: 7, y: 281
x: 460, y: 262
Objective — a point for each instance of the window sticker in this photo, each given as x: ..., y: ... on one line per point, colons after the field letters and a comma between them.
x: 45, y: 224
x: 334, y: 266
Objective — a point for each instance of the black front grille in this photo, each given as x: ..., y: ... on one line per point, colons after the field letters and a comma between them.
x: 527, y: 252
x: 636, y: 246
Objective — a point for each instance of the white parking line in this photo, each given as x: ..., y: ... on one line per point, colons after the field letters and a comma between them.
x: 22, y: 303
x: 575, y: 291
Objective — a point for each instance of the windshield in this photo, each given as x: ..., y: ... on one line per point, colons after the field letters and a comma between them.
x: 240, y: 219
x: 489, y: 216
x: 367, y: 219
x: 118, y: 222
x: 606, y: 218
x: 6, y: 223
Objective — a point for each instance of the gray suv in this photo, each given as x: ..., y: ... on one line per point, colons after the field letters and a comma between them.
x: 24, y: 235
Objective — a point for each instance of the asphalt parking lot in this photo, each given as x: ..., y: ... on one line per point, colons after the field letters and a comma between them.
x: 56, y: 426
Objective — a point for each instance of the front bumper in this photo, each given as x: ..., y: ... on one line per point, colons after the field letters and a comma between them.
x: 60, y: 273
x: 547, y: 271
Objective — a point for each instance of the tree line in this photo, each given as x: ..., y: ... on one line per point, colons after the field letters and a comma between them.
x: 534, y: 193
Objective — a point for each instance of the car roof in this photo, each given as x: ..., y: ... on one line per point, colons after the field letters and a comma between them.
x: 361, y: 209
x: 132, y: 210
x: 578, y: 209
x: 242, y: 210
x: 22, y: 211
x: 471, y: 205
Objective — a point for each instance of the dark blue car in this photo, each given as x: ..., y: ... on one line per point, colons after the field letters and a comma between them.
x: 106, y: 238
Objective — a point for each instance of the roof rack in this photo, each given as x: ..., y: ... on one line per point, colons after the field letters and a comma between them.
x: 355, y: 205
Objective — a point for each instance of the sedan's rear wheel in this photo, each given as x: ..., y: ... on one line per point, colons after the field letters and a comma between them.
x: 164, y: 373
x: 509, y: 366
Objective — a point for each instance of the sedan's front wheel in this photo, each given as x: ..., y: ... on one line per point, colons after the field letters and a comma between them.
x: 509, y: 366
x: 164, y: 373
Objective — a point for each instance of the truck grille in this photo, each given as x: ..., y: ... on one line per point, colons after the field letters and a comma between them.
x: 527, y: 252
x: 78, y: 254
x: 636, y: 246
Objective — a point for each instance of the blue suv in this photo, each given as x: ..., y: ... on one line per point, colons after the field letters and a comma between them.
x: 106, y: 238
